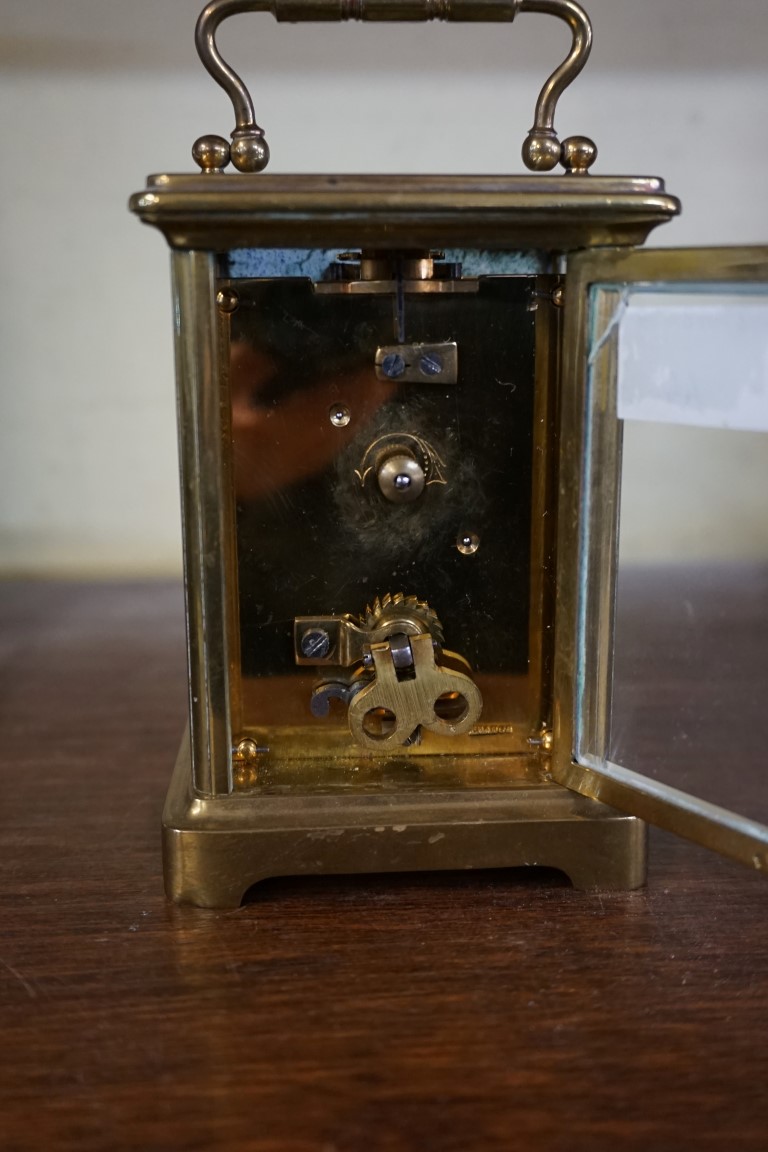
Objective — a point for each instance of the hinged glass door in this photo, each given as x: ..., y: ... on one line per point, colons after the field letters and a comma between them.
x: 662, y: 629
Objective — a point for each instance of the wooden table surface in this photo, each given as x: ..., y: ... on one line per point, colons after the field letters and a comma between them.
x: 495, y: 1011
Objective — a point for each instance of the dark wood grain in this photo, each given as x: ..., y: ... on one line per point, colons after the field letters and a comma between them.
x: 492, y: 1011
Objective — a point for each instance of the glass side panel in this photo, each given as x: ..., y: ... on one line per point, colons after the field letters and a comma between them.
x: 692, y: 613
x: 689, y: 705
x: 390, y: 436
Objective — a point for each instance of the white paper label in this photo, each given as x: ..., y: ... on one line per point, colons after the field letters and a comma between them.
x: 697, y: 360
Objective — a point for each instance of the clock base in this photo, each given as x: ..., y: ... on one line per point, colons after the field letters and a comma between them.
x: 216, y: 848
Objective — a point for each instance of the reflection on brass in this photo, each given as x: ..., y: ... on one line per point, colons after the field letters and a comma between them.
x: 392, y: 707
x: 246, y: 758
x: 227, y: 300
x: 212, y: 154
x: 542, y: 150
x: 420, y: 362
x: 247, y: 751
x: 546, y: 739
x: 249, y: 150
x: 578, y: 155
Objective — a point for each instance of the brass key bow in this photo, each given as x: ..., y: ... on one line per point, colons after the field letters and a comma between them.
x: 390, y: 709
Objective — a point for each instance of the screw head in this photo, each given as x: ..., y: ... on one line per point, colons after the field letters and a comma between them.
x: 467, y: 543
x: 227, y: 300
x: 339, y: 415
x: 393, y: 365
x: 431, y: 364
x: 315, y: 644
x: 247, y: 750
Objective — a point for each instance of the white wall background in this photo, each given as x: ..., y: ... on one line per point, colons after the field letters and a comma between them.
x: 94, y: 94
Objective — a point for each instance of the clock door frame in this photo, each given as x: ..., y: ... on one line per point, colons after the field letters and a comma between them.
x: 588, y: 511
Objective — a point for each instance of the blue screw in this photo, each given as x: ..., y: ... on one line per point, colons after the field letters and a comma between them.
x: 315, y: 644
x: 431, y: 364
x: 393, y: 365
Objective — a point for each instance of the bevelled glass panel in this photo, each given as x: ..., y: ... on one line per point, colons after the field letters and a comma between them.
x: 690, y: 675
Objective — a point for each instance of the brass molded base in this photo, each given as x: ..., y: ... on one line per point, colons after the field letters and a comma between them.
x: 215, y: 848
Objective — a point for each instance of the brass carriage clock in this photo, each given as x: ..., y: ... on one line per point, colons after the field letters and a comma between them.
x: 400, y: 461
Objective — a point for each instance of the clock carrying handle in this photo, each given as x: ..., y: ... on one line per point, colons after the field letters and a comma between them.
x: 249, y: 151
